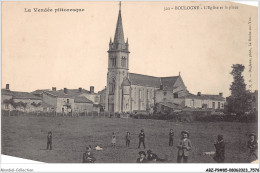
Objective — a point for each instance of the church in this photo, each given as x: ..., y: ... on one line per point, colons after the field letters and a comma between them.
x: 129, y: 92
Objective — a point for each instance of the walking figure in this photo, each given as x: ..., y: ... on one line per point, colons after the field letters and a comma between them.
x: 171, y: 134
x: 141, y: 138
x: 220, y: 149
x: 184, y: 147
x: 252, y: 145
x: 127, y: 139
x: 49, y: 140
x: 113, y: 140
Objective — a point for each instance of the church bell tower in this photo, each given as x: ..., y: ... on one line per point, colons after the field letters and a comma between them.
x: 118, y: 66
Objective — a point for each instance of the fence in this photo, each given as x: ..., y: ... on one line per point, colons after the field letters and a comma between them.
x: 53, y: 113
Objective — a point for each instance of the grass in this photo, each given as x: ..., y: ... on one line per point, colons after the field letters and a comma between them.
x: 25, y: 137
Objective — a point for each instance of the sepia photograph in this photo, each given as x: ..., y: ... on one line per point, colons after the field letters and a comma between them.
x: 129, y: 82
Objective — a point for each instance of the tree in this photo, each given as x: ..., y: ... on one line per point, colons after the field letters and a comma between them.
x: 240, y: 100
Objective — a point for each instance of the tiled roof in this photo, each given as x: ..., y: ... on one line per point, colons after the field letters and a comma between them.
x: 71, y: 93
x: 168, y: 82
x: 126, y: 82
x: 151, y: 81
x: 144, y: 80
x: 59, y: 94
x: 6, y: 92
x: 24, y: 95
x: 82, y: 100
x: 39, y: 91
x: 206, y: 97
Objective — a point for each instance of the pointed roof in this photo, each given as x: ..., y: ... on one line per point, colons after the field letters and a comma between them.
x: 126, y: 82
x: 119, y: 34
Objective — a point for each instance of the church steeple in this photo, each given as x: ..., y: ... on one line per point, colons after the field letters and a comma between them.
x: 119, y: 34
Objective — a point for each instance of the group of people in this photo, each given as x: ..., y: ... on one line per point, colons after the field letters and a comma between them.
x: 184, y: 147
x: 128, y: 139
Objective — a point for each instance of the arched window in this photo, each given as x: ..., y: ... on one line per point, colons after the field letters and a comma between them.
x: 112, y: 87
x: 113, y: 61
x: 123, y: 61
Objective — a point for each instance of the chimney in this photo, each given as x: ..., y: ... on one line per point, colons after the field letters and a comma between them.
x: 221, y: 94
x: 65, y: 90
x: 199, y: 94
x: 161, y: 87
x: 92, y: 89
x: 53, y: 88
x: 7, y: 86
x: 80, y: 89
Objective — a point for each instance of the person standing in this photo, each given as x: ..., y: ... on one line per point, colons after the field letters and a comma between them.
x: 171, y: 134
x: 141, y: 158
x: 127, y: 139
x: 113, y: 140
x: 220, y: 149
x: 252, y: 145
x: 184, y: 147
x: 141, y: 138
x: 49, y: 140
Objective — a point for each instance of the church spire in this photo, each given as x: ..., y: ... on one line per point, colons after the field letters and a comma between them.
x: 119, y: 34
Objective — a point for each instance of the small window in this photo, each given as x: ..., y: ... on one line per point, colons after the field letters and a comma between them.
x: 175, y: 95
x: 68, y: 100
x: 218, y: 105
x: 164, y: 93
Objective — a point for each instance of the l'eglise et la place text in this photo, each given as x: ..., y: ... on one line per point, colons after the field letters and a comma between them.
x: 51, y: 10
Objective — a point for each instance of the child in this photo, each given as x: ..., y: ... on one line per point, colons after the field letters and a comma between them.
x: 141, y: 158
x: 171, y: 134
x: 127, y: 139
x: 49, y: 140
x: 141, y: 138
x: 220, y: 149
x: 88, y: 156
x: 152, y: 157
x: 113, y: 140
x: 252, y: 145
x: 184, y: 147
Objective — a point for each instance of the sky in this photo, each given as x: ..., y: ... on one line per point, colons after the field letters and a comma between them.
x: 41, y: 50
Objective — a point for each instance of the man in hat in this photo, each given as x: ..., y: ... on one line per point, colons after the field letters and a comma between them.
x: 141, y: 158
x: 88, y: 156
x: 220, y: 149
x: 184, y: 146
x: 252, y: 145
x: 141, y: 138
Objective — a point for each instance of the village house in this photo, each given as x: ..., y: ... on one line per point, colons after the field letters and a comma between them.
x: 202, y: 101
x: 73, y: 101
x: 21, y: 101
